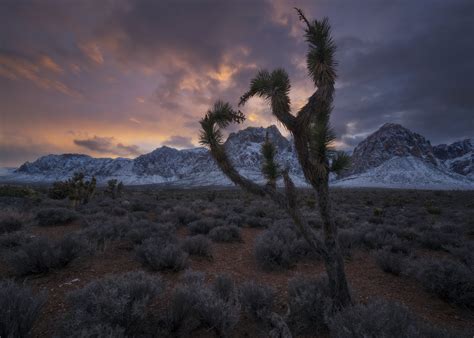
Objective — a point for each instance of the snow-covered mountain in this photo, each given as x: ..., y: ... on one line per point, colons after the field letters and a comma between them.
x: 167, y: 165
x: 393, y: 156
x: 458, y: 156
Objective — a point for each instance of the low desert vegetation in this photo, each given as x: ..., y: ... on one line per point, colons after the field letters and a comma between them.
x: 42, y: 255
x: 198, y: 245
x: 160, y: 256
x: 151, y: 244
x: 55, y: 216
x: 116, y: 304
x: 19, y: 309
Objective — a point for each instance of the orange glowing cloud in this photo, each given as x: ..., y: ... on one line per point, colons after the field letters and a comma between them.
x: 92, y: 51
x: 16, y: 68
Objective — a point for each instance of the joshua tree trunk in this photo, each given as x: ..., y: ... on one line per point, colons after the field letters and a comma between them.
x: 334, y: 260
x: 313, y: 138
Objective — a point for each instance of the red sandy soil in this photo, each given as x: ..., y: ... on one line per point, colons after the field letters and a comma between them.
x: 236, y: 259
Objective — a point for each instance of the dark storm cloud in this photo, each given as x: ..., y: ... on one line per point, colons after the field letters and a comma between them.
x: 423, y: 80
x: 107, y: 145
x: 179, y: 142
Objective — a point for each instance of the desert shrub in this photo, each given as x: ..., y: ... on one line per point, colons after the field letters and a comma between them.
x: 10, y: 223
x: 211, y: 195
x: 158, y: 256
x: 203, y: 226
x: 435, y: 240
x: 390, y: 262
x: 235, y: 219
x: 194, y: 306
x: 278, y: 247
x: 224, y: 287
x: 138, y: 205
x: 347, y: 241
x: 99, y: 233
x: 138, y: 215
x: 97, y: 331
x: 433, y: 210
x: 19, y: 308
x: 379, y: 319
x: 41, y: 255
x: 16, y: 191
x: 257, y: 211
x: 113, y: 304
x: 378, y: 237
x: 465, y: 253
x: 198, y: 245
x: 451, y: 281
x: 142, y: 230
x: 191, y: 277
x: 258, y: 222
x: 225, y: 233
x: 310, y: 305
x: 118, y: 211
x: 256, y: 299
x: 184, y: 215
x: 13, y: 240
x: 55, y: 216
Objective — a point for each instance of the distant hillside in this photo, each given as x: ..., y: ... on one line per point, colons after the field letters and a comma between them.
x: 393, y: 156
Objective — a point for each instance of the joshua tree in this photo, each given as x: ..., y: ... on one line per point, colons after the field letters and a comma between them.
x: 80, y: 191
x: 313, y: 138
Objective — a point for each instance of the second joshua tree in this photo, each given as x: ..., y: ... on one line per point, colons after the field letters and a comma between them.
x: 313, y: 138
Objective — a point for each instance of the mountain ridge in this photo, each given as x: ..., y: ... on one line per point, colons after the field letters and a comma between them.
x: 389, y: 149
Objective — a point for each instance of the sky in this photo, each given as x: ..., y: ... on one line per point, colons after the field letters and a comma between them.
x: 121, y: 78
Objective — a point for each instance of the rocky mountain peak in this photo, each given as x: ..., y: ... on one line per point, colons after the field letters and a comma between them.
x: 257, y: 135
x: 390, y: 140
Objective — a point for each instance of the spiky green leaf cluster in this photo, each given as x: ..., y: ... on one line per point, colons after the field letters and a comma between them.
x: 270, y: 168
x: 340, y: 162
x: 320, y: 57
x: 220, y: 116
x: 274, y: 86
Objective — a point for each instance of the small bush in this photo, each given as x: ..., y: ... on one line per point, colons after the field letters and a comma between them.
x: 256, y: 299
x: 390, y: 262
x: 13, y: 240
x: 198, y: 245
x: 451, y: 281
x: 258, y: 222
x: 142, y: 230
x: 225, y: 233
x: 277, y: 248
x: 193, y: 306
x: 433, y: 210
x: 184, y: 216
x: 19, y: 308
x: 138, y: 205
x: 223, y: 287
x: 41, y: 255
x: 310, y: 305
x: 10, y: 224
x: 98, y: 331
x: 203, y: 226
x: 160, y: 257
x: 118, y: 211
x: 113, y: 304
x: 100, y: 232
x: 16, y: 191
x: 55, y: 216
x: 379, y: 319
x: 435, y: 240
